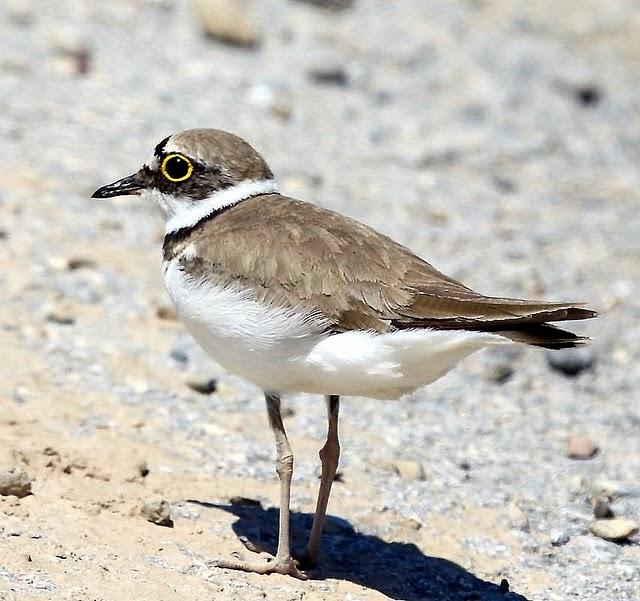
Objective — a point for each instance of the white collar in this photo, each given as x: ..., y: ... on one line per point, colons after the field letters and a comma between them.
x: 187, y: 214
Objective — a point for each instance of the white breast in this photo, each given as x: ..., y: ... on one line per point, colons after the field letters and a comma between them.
x: 284, y: 350
x: 249, y: 338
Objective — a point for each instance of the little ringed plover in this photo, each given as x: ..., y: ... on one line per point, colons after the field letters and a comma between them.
x: 296, y: 298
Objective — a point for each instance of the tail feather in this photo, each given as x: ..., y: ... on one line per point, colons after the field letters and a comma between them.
x: 545, y: 336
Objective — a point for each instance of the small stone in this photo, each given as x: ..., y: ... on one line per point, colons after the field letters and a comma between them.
x: 14, y: 481
x: 329, y: 75
x: 229, y: 21
x: 571, y: 362
x: 410, y: 470
x: 61, y: 314
x: 602, y: 509
x: 21, y: 12
x: 143, y: 469
x: 616, y: 529
x: 202, y: 383
x: 72, y: 44
x: 615, y: 489
x: 74, y: 263
x: 253, y: 546
x: 272, y: 97
x: 559, y: 539
x: 167, y: 313
x: 245, y: 502
x: 588, y: 95
x: 179, y: 356
x: 21, y: 394
x: 287, y: 412
x: 158, y: 511
x: 498, y: 372
x: 580, y: 446
x: 330, y: 4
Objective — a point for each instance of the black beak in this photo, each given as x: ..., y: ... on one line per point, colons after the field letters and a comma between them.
x: 123, y: 187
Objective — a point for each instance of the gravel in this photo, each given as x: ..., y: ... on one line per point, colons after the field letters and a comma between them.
x: 14, y: 481
x: 498, y: 140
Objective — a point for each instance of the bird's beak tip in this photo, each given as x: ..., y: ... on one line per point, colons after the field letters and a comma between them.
x: 127, y: 186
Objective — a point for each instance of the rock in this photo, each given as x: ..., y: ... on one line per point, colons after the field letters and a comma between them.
x: 21, y: 394
x: 229, y: 21
x: 498, y: 372
x: 614, y: 488
x: 201, y: 383
x: 329, y: 74
x: 331, y: 4
x: 179, y: 356
x: 14, y: 481
x: 60, y: 313
x: 580, y: 446
x: 167, y: 313
x: 559, y: 539
x: 571, y: 362
x: 158, y: 511
x: 272, y: 97
x: 74, y: 263
x: 410, y: 470
x: 616, y: 529
x: 20, y: 12
x: 602, y: 509
x: 72, y: 44
x: 245, y: 502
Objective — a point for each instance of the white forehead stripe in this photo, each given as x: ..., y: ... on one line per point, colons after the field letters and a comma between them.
x: 189, y: 212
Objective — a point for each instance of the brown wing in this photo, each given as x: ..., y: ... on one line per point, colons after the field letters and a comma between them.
x: 358, y: 278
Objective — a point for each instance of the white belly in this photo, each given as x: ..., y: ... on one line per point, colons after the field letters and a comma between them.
x: 283, y: 350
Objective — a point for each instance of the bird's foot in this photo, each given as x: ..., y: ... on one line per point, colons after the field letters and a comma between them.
x: 274, y: 565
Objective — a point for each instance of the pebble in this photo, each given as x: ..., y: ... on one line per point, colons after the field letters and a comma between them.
x: 331, y: 4
x: 580, y: 446
x: 602, y: 509
x: 245, y: 502
x: 571, y: 362
x: 410, y: 470
x: 498, y: 372
x: 615, y: 488
x: 329, y: 74
x: 179, y: 356
x: 72, y: 44
x: 273, y: 97
x: 143, y: 469
x: 203, y: 384
x: 14, y: 481
x: 158, y: 511
x: 229, y: 21
x: 559, y: 539
x: 167, y: 313
x: 616, y: 529
x: 61, y: 314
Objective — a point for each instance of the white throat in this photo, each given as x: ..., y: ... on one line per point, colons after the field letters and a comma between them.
x: 182, y: 212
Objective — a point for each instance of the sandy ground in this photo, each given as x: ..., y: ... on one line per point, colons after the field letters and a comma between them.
x: 500, y: 141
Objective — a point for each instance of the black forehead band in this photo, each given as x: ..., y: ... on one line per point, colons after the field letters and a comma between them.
x: 160, y: 147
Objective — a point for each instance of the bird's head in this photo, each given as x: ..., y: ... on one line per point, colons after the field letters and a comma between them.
x: 195, y: 173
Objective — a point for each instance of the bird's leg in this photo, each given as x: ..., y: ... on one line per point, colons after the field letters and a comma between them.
x: 282, y: 563
x: 329, y: 455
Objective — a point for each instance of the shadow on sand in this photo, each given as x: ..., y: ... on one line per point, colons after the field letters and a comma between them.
x: 398, y: 570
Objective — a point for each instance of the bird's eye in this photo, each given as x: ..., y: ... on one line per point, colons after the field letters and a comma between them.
x: 176, y: 167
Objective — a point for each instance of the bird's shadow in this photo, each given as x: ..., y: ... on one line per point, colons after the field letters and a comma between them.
x: 397, y: 570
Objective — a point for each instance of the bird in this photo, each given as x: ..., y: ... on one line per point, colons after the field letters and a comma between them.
x: 296, y: 298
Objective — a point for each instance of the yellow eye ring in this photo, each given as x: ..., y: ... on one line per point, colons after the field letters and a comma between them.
x: 176, y: 167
